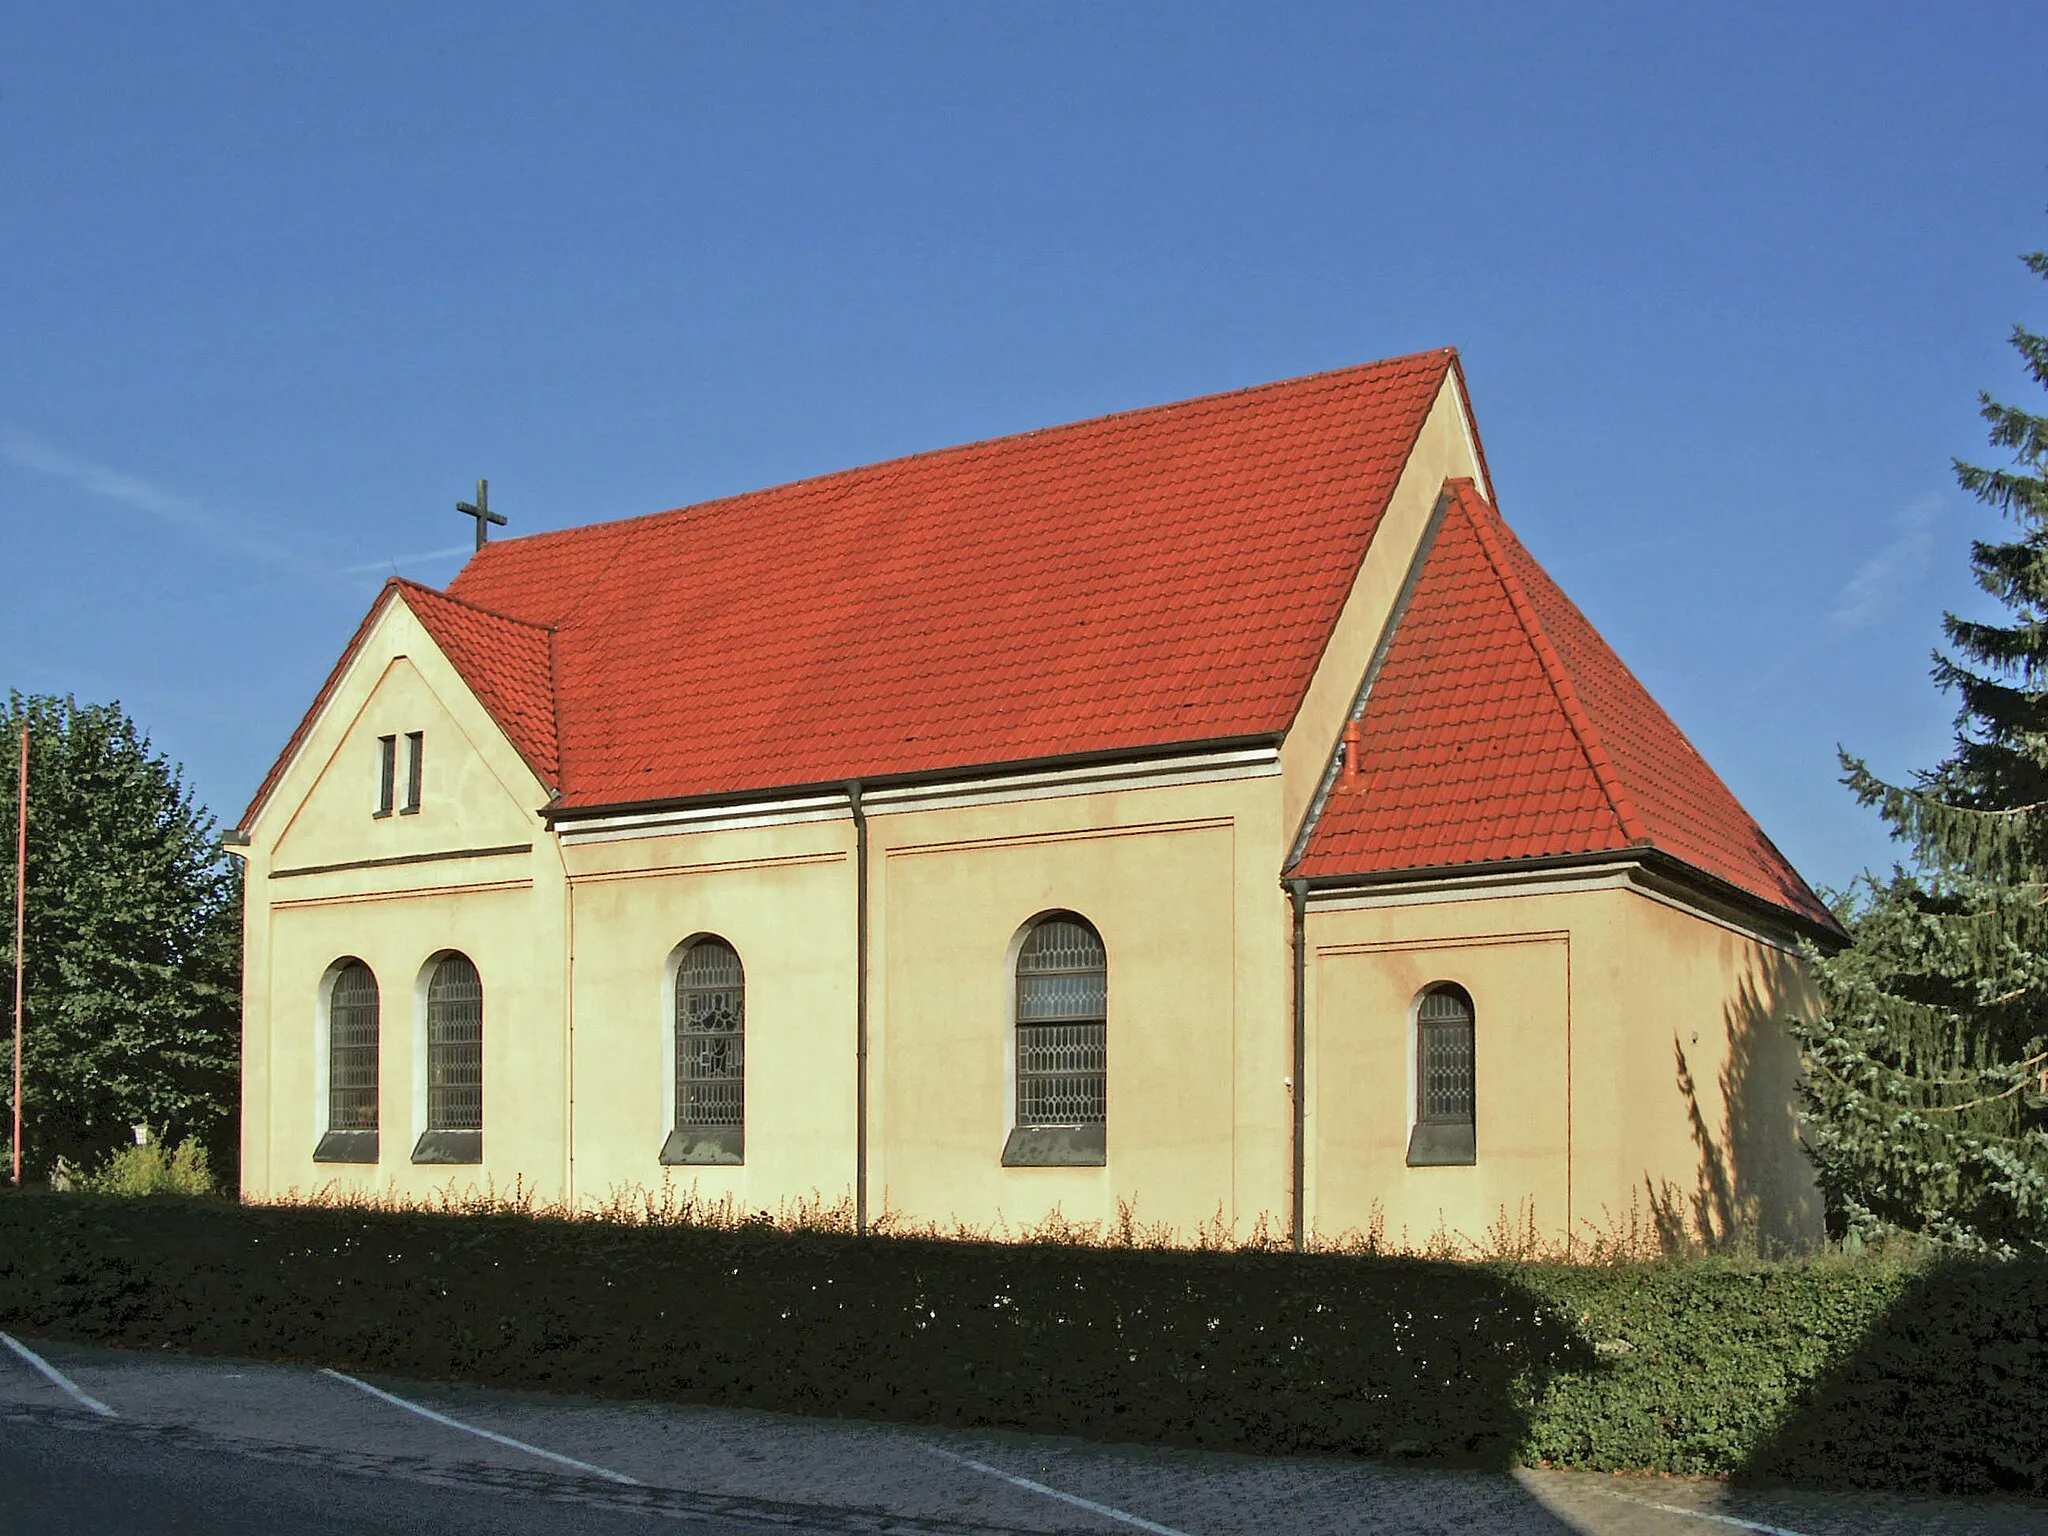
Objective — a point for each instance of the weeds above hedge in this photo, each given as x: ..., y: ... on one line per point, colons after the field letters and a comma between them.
x: 1634, y: 1236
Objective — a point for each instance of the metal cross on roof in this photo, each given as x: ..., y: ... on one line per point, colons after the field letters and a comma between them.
x: 481, y: 511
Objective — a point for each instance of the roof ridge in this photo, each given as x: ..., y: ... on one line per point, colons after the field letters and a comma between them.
x: 922, y: 455
x: 406, y: 584
x: 1554, y: 669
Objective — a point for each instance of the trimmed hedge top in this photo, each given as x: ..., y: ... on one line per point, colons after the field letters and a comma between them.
x: 1928, y: 1376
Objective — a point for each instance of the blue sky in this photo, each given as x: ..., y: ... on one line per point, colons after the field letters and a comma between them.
x: 278, y: 283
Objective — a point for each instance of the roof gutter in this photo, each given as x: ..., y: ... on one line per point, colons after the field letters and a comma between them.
x: 1664, y: 866
x: 555, y: 813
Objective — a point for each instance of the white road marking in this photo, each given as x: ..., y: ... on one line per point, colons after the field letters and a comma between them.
x: 1701, y: 1514
x: 1734, y: 1520
x: 517, y: 1445
x: 56, y: 1376
x: 1075, y: 1499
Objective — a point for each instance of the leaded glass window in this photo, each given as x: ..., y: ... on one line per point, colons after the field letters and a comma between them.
x: 1444, y: 1056
x: 1445, y: 1061
x: 455, y: 1046
x: 1062, y: 1025
x: 711, y: 1028
x: 352, y: 1049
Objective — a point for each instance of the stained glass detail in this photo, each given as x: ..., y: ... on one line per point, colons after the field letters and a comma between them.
x: 711, y: 1004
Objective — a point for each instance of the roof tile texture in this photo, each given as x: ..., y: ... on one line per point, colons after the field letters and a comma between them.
x: 1501, y: 726
x: 1157, y: 577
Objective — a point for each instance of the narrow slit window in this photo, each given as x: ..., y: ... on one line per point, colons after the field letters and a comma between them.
x: 1445, y: 1079
x: 415, y: 750
x: 710, y: 1053
x: 387, y: 773
x: 1062, y: 1046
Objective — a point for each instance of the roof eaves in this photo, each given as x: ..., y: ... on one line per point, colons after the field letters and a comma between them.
x: 392, y: 587
x: 557, y: 813
x: 1667, y: 868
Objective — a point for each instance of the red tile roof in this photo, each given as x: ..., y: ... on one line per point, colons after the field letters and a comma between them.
x: 506, y: 662
x: 1157, y: 577
x: 1500, y: 727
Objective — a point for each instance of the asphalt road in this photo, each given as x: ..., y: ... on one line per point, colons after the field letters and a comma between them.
x: 97, y: 1442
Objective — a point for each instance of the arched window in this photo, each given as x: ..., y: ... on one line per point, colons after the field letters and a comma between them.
x: 710, y: 1056
x: 351, y: 1135
x: 1062, y: 1046
x: 455, y: 1064
x: 1444, y: 1079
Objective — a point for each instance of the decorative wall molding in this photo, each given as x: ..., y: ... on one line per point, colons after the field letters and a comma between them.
x: 1075, y: 835
x: 713, y: 867
x: 397, y: 859
x: 482, y: 887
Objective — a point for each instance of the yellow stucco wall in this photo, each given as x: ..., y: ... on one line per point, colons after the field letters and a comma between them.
x: 1179, y: 883
x: 503, y: 909
x: 1362, y: 1074
x: 783, y: 897
x: 1586, y: 1001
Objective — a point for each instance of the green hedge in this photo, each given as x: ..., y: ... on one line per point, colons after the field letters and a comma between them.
x: 1931, y: 1377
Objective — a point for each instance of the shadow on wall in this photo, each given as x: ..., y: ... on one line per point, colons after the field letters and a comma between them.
x: 1948, y: 1393
x: 1754, y: 1189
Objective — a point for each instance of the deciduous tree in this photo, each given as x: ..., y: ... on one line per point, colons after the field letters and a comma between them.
x: 133, y: 975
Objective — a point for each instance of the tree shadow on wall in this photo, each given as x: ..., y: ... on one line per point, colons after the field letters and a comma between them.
x: 1753, y: 1189
x: 1947, y: 1393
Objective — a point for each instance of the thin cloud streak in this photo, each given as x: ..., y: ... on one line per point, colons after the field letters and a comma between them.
x: 1626, y: 549
x: 167, y: 507
x: 1880, y: 581
x: 396, y: 561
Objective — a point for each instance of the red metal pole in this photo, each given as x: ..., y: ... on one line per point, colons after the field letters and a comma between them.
x: 20, y: 907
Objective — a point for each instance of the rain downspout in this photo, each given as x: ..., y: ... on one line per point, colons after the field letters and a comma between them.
x: 1297, y: 891
x: 860, y: 1009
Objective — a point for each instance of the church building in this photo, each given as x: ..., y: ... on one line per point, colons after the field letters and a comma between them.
x: 1210, y: 809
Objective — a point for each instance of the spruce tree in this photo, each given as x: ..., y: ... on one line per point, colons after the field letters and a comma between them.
x: 1924, y: 1088
x: 133, y: 977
